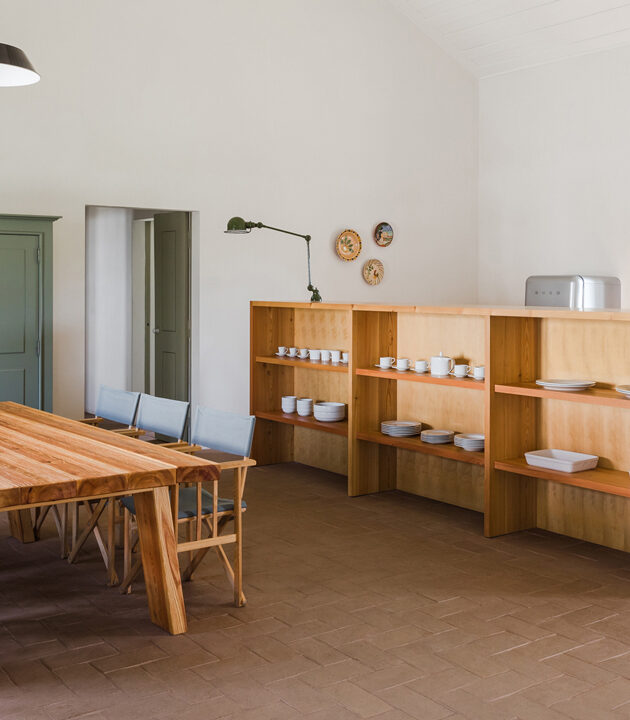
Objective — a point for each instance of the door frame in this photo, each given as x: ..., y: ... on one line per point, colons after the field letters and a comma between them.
x: 42, y: 227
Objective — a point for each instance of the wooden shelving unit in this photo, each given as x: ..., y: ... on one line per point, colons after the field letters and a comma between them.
x: 410, y: 376
x: 517, y: 346
x: 415, y: 444
x: 612, y: 482
x: 303, y: 364
x: 336, y: 428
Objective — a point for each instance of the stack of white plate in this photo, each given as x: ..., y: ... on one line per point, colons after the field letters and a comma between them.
x: 401, y: 428
x: 566, y: 385
x: 329, y: 411
x: 437, y: 437
x: 624, y: 390
x: 470, y: 441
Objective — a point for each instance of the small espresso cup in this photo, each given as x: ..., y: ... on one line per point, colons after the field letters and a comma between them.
x: 479, y: 372
x: 402, y: 364
x: 303, y: 353
x: 314, y: 354
x: 325, y: 355
x: 421, y: 366
x: 460, y: 371
x: 292, y: 351
x: 282, y: 350
x: 386, y: 362
x: 289, y: 403
x: 345, y: 357
x: 335, y: 355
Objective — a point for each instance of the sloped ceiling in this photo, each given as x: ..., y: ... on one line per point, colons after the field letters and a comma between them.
x: 498, y: 36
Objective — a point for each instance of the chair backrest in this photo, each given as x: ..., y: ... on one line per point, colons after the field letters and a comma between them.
x: 162, y: 416
x: 223, y: 431
x: 117, y: 405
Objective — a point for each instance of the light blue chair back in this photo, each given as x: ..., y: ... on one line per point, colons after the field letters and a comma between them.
x: 162, y: 416
x: 117, y: 405
x: 223, y: 431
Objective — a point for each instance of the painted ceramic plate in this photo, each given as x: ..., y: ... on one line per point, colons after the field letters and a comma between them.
x: 373, y: 271
x: 348, y: 245
x: 383, y: 234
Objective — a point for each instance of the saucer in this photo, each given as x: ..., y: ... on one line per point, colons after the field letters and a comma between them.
x: 382, y: 368
x: 395, y: 367
x: 286, y: 355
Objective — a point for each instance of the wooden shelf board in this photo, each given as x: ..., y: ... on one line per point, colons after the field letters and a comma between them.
x: 336, y: 428
x: 304, y: 364
x: 613, y: 482
x: 411, y: 376
x: 415, y: 444
x: 592, y: 396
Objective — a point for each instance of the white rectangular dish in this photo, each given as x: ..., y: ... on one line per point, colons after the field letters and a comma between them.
x: 561, y: 460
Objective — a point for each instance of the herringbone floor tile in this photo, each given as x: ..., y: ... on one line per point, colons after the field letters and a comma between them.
x: 387, y: 606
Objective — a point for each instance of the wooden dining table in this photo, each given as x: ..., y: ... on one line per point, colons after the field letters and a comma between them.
x: 48, y: 459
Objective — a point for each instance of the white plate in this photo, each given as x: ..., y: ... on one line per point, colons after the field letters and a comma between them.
x: 566, y: 385
x: 562, y: 460
x: 623, y: 389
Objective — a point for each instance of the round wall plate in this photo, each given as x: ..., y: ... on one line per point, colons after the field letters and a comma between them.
x: 383, y: 234
x: 348, y: 245
x: 373, y: 271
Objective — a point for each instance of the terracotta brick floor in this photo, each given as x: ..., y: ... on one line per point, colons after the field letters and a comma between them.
x: 387, y: 606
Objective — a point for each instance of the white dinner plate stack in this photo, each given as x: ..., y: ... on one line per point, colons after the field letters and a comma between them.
x: 624, y: 390
x: 470, y: 441
x: 437, y: 437
x: 401, y: 428
x: 566, y: 385
x: 329, y: 411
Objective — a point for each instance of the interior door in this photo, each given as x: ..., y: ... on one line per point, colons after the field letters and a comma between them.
x: 19, y: 319
x: 172, y: 324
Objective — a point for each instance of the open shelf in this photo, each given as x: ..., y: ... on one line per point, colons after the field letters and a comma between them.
x: 336, y: 428
x: 412, y: 376
x: 297, y: 362
x: 415, y: 444
x: 613, y: 482
x: 592, y: 396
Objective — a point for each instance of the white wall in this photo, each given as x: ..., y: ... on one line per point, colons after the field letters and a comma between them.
x: 107, y: 300
x: 314, y: 115
x: 554, y: 174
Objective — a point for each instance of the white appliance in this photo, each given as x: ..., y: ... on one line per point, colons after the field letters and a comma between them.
x: 577, y: 292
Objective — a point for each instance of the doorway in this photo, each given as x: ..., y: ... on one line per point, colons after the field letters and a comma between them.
x: 138, y: 307
x: 26, y: 310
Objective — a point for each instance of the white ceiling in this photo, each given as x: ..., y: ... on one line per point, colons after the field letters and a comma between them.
x: 498, y: 36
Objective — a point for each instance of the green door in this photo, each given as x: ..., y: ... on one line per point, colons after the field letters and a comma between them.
x: 19, y: 319
x: 172, y: 247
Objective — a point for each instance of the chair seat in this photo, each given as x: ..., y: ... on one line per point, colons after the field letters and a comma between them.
x: 188, y: 503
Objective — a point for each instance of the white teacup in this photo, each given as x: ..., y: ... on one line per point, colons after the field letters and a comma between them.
x: 345, y: 357
x: 289, y: 403
x: 441, y: 365
x: 303, y: 353
x: 325, y: 355
x: 315, y: 354
x: 402, y: 364
x: 461, y: 371
x: 282, y: 350
x: 479, y: 373
x: 421, y: 366
x: 386, y: 362
x: 292, y: 351
x: 335, y: 355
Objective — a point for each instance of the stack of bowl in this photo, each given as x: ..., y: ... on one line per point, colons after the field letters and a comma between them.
x: 329, y: 411
x: 288, y: 403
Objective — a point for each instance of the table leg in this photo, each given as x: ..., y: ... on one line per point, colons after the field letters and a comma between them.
x: 21, y: 524
x: 159, y: 560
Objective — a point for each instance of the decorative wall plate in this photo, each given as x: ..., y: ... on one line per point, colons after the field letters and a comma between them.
x: 348, y: 245
x: 383, y: 234
x: 373, y: 271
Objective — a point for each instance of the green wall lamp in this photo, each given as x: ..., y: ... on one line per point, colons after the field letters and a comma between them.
x: 238, y: 225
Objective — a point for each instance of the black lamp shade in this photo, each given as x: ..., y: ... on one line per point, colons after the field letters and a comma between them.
x: 15, y: 68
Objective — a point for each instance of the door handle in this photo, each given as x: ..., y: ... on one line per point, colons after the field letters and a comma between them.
x: 156, y: 330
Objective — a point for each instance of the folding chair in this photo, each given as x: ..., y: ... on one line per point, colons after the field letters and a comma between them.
x: 117, y: 406
x: 195, y: 507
